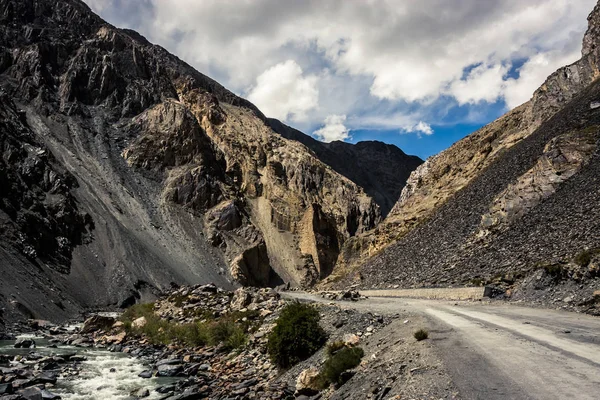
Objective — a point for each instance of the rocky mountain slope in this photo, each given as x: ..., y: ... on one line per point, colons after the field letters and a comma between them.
x: 517, y: 196
x: 123, y: 169
x: 380, y: 169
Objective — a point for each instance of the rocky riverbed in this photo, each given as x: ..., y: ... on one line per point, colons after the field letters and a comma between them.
x: 133, y: 357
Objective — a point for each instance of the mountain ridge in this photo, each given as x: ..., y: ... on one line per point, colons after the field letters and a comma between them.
x: 361, y: 162
x: 164, y: 175
x: 508, y: 205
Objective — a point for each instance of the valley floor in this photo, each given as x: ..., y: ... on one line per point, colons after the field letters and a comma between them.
x: 500, y: 351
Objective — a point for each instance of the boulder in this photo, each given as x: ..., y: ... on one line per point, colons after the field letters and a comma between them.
x: 32, y: 393
x: 97, y: 323
x: 140, y: 393
x: 45, y: 377
x: 241, y: 299
x: 265, y: 313
x: 46, y: 395
x: 118, y: 324
x: 166, y: 389
x: 147, y: 374
x: 169, y: 370
x: 139, y: 322
x: 118, y: 338
x: 208, y: 288
x: 24, y: 343
x: 6, y: 388
x: 308, y: 382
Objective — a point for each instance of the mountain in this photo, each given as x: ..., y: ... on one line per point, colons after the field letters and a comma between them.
x: 124, y: 170
x: 515, y: 199
x: 380, y: 169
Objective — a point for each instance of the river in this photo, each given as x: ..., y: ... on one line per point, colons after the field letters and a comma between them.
x: 95, y: 380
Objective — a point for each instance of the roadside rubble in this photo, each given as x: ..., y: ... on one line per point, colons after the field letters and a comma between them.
x: 214, y: 372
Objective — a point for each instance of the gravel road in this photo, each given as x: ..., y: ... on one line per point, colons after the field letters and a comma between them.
x: 501, y: 351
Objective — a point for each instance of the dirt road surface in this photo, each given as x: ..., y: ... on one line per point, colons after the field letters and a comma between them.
x: 503, y: 351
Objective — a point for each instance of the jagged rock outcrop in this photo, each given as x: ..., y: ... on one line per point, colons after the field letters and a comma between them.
x: 130, y: 170
x: 40, y: 215
x: 380, y: 169
x: 518, y: 193
x: 563, y: 157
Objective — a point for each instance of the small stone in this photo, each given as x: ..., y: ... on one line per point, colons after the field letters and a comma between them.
x: 265, y: 313
x: 118, y: 324
x: 351, y: 340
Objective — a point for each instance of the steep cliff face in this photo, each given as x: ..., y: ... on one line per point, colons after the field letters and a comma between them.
x: 129, y: 170
x: 380, y: 169
x: 518, y: 193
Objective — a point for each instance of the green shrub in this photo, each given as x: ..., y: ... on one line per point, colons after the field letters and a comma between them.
x: 137, y: 311
x: 297, y: 335
x: 227, y: 332
x: 584, y: 258
x: 160, y: 331
x: 556, y: 271
x: 477, y: 282
x: 421, y: 334
x: 334, y: 347
x: 346, y: 358
x: 236, y: 339
x: 189, y: 334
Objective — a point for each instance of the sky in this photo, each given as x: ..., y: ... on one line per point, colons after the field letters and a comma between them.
x: 418, y: 74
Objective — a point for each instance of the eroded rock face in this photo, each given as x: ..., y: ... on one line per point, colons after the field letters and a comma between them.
x: 380, y: 169
x: 252, y: 268
x: 167, y: 135
x: 592, y: 35
x: 446, y: 175
x: 38, y: 212
x: 128, y: 166
x: 563, y: 157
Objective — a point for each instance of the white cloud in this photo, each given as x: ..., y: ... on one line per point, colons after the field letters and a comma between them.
x: 283, y: 92
x: 355, y: 58
x: 99, y: 5
x: 419, y: 128
x: 334, y: 129
x: 484, y: 83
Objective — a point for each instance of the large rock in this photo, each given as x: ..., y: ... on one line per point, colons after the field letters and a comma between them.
x: 6, y: 388
x: 97, y: 323
x: 24, y: 343
x: 169, y: 370
x: 241, y: 299
x: 351, y: 339
x: 140, y: 393
x: 308, y: 382
x: 32, y: 393
x: 139, y: 322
